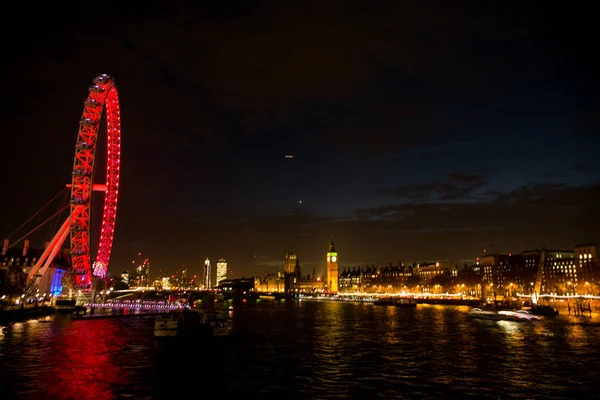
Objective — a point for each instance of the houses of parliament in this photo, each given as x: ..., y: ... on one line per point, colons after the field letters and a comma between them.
x: 292, y: 280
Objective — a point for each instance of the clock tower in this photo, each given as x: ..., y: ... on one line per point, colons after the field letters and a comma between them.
x: 332, y: 269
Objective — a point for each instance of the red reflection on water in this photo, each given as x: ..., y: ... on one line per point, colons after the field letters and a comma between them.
x: 83, y: 368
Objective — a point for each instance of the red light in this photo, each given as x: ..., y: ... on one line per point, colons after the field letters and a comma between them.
x: 107, y: 100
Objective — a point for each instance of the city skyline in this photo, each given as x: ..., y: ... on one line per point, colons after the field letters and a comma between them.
x: 260, y: 269
x: 403, y: 132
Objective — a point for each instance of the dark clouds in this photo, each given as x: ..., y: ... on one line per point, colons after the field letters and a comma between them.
x: 459, y: 185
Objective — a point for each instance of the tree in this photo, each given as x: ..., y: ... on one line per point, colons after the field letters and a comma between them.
x: 444, y: 280
x: 468, y: 277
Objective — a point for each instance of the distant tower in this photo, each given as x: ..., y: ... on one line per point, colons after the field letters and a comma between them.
x: 291, y: 270
x: 207, y: 274
x: 221, y: 270
x: 290, y: 261
x: 332, y: 269
x: 146, y: 267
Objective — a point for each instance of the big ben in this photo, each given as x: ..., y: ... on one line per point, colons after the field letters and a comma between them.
x: 332, y: 269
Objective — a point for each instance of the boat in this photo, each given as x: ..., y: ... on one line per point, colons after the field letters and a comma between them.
x: 503, y: 315
x: 168, y: 325
x: 65, y: 306
x: 396, y: 302
x: 184, y: 322
x: 219, y: 324
x: 189, y: 322
x: 546, y: 311
x: 540, y: 309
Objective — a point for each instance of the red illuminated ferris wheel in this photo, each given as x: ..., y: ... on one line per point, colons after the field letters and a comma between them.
x: 102, y: 95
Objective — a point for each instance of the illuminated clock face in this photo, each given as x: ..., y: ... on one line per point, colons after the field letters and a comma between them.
x: 328, y: 258
x: 333, y: 259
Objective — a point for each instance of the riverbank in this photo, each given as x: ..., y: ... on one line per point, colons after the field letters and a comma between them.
x: 573, y: 314
x: 23, y: 313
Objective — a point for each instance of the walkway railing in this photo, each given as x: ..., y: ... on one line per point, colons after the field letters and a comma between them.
x: 138, y: 304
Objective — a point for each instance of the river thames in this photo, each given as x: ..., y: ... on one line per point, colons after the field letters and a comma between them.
x: 305, y: 350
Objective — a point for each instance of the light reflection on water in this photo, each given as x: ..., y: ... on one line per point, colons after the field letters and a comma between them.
x: 306, y: 350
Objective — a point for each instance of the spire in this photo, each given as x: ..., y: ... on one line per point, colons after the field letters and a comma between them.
x: 331, y: 247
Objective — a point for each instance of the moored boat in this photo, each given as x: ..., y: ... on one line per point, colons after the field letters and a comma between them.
x: 167, y: 325
x: 546, y: 311
x: 219, y: 324
x: 192, y: 323
x: 65, y: 306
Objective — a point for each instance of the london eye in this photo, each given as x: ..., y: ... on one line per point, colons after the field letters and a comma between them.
x: 102, y: 96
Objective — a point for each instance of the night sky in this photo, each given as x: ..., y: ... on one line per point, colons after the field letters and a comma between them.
x: 420, y: 132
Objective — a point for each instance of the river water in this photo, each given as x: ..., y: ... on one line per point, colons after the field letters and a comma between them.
x: 305, y: 350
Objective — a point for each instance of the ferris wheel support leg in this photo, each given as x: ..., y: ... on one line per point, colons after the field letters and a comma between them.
x: 56, y: 242
x: 55, y: 250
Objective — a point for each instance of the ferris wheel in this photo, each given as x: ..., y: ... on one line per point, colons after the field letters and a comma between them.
x: 102, y: 96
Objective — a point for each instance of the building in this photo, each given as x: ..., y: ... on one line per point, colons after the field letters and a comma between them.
x: 372, y: 279
x: 310, y: 283
x: 206, y: 276
x: 291, y: 270
x: 221, y: 270
x: 237, y: 285
x: 290, y: 261
x: 332, y: 269
x: 542, y: 271
x: 271, y: 283
x: 586, y: 257
x: 350, y: 280
x: 294, y: 281
x: 16, y: 264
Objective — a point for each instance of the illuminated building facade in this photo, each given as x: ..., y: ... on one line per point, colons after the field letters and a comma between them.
x: 586, y: 257
x: 291, y: 270
x: 16, y: 263
x: 206, y: 275
x: 542, y: 271
x: 310, y: 283
x: 221, y: 270
x: 271, y: 283
x: 372, y: 279
x: 290, y: 261
x: 293, y: 280
x: 332, y: 269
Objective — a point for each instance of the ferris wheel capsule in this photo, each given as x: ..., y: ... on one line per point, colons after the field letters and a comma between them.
x: 103, y: 79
